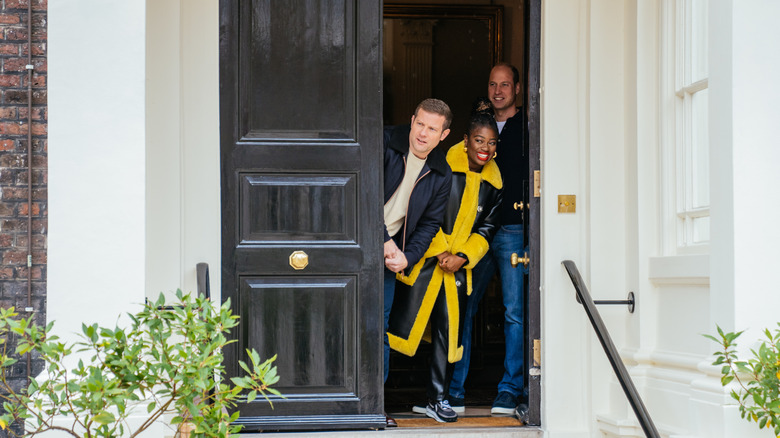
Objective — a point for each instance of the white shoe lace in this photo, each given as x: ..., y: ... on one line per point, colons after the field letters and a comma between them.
x: 445, y: 404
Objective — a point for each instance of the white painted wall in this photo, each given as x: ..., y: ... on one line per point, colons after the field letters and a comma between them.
x: 604, y: 128
x: 96, y: 161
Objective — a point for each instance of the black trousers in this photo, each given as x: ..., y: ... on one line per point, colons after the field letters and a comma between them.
x: 441, y: 370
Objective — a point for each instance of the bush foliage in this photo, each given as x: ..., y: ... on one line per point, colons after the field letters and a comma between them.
x: 167, y: 362
x: 757, y: 378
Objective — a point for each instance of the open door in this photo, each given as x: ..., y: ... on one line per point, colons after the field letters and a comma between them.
x: 301, y: 150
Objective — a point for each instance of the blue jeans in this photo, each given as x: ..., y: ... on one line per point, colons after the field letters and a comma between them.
x: 508, y: 240
x: 389, y: 284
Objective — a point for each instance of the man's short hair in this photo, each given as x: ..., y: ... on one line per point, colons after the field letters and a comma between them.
x: 436, y: 106
x: 515, y: 72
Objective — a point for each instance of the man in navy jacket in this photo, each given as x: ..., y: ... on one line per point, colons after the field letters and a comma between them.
x: 417, y: 184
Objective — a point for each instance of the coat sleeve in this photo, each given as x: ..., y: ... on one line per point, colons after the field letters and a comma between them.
x: 482, y: 233
x: 429, y: 223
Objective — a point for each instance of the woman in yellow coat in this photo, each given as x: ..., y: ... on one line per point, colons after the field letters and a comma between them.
x: 434, y: 293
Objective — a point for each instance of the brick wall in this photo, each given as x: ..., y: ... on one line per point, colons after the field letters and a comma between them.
x: 13, y: 164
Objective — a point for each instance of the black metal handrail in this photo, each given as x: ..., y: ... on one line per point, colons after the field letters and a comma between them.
x: 612, y: 354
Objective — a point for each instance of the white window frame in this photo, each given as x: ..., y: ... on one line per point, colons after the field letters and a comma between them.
x: 680, y: 168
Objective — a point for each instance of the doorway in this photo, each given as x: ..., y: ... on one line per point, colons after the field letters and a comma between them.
x: 446, y: 52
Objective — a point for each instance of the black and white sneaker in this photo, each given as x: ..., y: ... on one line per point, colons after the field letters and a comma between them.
x: 441, y: 411
x: 420, y: 409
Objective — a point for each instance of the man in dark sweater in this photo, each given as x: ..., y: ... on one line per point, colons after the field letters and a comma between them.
x: 512, y: 159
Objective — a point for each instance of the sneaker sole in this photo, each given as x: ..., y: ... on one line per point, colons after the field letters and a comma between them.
x: 497, y: 410
x: 419, y: 409
x: 458, y: 409
x: 431, y: 413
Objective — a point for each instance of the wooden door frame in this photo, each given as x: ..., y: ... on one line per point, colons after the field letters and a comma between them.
x: 533, y: 25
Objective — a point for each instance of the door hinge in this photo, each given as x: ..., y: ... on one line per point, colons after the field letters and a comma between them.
x: 537, y: 184
x: 537, y: 353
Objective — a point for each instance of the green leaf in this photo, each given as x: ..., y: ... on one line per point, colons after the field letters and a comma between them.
x: 104, y: 417
x: 150, y: 407
x: 251, y: 396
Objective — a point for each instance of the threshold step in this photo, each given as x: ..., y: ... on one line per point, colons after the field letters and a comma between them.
x: 449, y: 431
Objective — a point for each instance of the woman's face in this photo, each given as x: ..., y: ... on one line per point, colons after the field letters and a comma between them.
x: 480, y: 147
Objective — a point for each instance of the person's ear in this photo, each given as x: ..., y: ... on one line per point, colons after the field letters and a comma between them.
x: 444, y: 134
x: 412, y: 121
x: 465, y: 138
x: 517, y: 88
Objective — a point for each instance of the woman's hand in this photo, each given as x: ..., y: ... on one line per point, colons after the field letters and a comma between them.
x: 450, y: 263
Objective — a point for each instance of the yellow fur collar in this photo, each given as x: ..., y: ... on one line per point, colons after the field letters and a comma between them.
x: 459, y: 162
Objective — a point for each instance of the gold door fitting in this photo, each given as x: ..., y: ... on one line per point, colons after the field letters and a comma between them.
x: 519, y: 205
x: 299, y: 260
x: 516, y: 260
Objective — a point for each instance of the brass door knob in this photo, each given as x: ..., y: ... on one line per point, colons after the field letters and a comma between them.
x: 519, y: 205
x: 299, y: 260
x: 516, y: 260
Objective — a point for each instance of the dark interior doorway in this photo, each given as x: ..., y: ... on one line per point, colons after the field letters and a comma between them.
x: 447, y: 51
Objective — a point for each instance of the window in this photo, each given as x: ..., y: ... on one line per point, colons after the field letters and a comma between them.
x: 687, y: 139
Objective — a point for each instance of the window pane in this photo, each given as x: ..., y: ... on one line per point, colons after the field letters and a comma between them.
x: 700, y: 149
x: 701, y: 229
x: 699, y: 34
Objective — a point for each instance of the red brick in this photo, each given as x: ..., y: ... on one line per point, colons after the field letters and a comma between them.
x: 39, y: 49
x: 14, y: 257
x: 10, y: 128
x: 9, y: 49
x: 37, y: 128
x: 39, y: 241
x: 39, y: 81
x: 20, y: 64
x: 8, y: 113
x: 9, y: 19
x: 39, y: 176
x: 38, y: 113
x: 7, y: 176
x: 7, y: 240
x: 16, y: 34
x: 39, y: 258
x: 19, y: 97
x: 10, y: 80
x: 20, y: 194
x: 7, y: 145
x: 13, y: 160
x: 23, y: 209
x: 37, y: 5
x: 21, y: 273
x: 7, y: 209
x: 6, y: 273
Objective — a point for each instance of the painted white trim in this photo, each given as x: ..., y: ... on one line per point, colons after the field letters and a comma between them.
x: 681, y: 269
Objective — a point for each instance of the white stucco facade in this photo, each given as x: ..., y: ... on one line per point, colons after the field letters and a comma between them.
x: 141, y: 123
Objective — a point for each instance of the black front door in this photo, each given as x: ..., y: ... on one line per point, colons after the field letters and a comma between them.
x: 300, y: 114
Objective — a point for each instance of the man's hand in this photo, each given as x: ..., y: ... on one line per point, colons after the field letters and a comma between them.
x: 390, y: 249
x: 397, y: 263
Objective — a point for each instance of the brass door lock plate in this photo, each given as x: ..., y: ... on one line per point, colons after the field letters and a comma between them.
x: 567, y: 203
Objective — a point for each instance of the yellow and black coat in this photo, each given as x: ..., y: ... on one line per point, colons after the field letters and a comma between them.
x: 470, y: 222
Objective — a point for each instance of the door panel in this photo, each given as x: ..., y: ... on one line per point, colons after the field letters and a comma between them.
x: 300, y: 109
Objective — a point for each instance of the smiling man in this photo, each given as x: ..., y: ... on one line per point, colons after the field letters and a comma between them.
x: 417, y: 185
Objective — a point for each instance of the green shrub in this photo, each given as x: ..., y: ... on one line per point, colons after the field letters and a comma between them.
x: 757, y: 378
x: 168, y: 361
